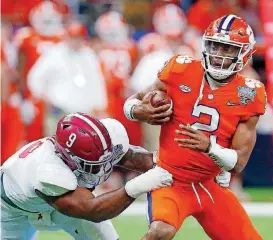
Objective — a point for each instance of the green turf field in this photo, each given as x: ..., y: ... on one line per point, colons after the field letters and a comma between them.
x: 260, y: 194
x: 133, y: 228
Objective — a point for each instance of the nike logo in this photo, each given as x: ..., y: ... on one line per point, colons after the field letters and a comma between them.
x: 232, y: 104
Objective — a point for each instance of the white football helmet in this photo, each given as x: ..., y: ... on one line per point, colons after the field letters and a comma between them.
x: 112, y: 28
x: 46, y: 19
x: 170, y: 21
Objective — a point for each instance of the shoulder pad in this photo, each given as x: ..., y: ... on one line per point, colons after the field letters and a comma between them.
x: 118, y: 135
x: 177, y: 64
x: 55, y: 179
x: 257, y: 101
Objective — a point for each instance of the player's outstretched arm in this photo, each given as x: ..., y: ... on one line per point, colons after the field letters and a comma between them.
x: 81, y: 203
x: 138, y: 159
x: 137, y: 108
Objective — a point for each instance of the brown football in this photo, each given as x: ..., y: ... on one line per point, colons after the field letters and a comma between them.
x: 158, y: 99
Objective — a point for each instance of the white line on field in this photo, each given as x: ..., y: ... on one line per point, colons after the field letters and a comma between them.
x: 253, y: 209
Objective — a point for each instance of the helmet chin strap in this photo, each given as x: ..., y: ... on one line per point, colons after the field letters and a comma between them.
x: 225, y: 80
x: 208, y: 75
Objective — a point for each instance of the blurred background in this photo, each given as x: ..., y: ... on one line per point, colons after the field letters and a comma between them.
x: 61, y: 56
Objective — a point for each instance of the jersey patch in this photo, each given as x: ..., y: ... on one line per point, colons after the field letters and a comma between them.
x: 246, y: 94
x: 185, y: 88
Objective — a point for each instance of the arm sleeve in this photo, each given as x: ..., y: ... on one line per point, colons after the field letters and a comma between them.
x: 55, y: 180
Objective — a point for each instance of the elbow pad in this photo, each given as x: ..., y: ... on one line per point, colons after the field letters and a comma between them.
x: 225, y: 158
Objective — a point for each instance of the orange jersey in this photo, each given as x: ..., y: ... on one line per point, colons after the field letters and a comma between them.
x: 12, y: 129
x: 118, y: 60
x: 17, y: 11
x: 33, y: 45
x: 117, y: 64
x: 217, y: 114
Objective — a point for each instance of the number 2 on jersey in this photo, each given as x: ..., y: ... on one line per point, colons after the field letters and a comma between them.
x: 214, y: 120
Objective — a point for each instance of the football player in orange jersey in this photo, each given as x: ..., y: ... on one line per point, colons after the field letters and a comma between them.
x: 211, y: 129
x: 171, y: 23
x: 118, y: 56
x: 46, y: 29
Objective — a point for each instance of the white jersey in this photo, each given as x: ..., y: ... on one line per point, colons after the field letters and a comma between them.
x: 72, y: 79
x: 36, y: 166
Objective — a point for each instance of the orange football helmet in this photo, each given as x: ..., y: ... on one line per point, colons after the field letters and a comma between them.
x: 46, y: 19
x: 112, y: 28
x: 170, y: 21
x: 227, y: 46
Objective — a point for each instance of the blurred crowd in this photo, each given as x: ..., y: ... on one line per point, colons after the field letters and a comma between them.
x: 61, y: 56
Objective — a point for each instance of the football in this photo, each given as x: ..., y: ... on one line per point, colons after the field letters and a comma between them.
x: 158, y: 99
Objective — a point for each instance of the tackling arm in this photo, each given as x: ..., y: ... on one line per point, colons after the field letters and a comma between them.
x: 81, y: 203
x: 137, y: 159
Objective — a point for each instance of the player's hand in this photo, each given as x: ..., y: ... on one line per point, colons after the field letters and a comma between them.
x: 144, y: 112
x: 153, y: 179
x: 192, y: 139
x: 223, y: 179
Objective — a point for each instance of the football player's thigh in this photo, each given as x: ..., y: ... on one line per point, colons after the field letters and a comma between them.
x: 226, y: 218
x: 14, y: 225
x: 81, y: 229
x: 169, y: 205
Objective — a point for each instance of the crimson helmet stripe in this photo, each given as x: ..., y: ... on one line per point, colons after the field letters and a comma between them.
x: 91, y: 124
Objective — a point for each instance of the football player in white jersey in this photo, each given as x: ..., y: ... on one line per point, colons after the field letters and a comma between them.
x: 49, y: 182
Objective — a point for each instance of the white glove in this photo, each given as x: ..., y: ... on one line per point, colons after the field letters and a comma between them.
x: 153, y: 179
x: 223, y: 179
x: 27, y: 111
